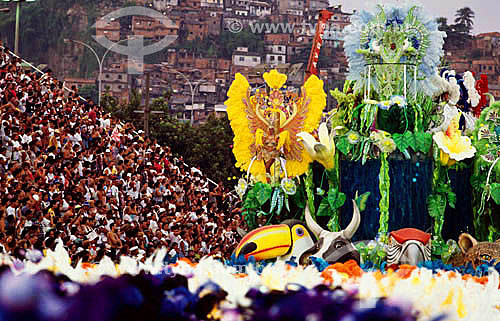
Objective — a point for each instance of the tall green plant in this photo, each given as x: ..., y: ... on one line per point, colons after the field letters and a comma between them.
x: 485, y: 178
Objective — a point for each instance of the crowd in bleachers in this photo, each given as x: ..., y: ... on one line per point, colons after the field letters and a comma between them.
x: 69, y: 171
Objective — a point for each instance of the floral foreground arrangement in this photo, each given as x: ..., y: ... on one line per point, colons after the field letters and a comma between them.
x: 52, y: 290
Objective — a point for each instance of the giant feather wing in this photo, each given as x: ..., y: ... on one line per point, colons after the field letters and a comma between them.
x: 244, y: 122
x: 308, y: 109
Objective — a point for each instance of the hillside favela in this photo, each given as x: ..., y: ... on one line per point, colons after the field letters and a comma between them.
x: 248, y: 160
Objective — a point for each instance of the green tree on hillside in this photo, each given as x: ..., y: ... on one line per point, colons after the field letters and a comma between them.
x: 459, y: 32
x: 464, y: 20
x: 208, y: 146
x: 303, y: 57
x: 43, y: 26
x: 229, y: 41
x: 213, y: 150
x: 443, y: 24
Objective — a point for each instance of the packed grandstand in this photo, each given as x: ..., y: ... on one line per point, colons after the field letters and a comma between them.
x: 70, y: 171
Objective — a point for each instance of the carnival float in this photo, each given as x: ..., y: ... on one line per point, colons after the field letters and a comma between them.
x: 346, y: 209
x: 404, y: 126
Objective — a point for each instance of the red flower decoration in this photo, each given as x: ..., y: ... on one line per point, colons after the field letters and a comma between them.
x: 482, y: 89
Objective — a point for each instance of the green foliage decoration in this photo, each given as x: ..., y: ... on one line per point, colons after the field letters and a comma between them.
x: 266, y: 204
x: 373, y: 251
x: 485, y: 179
x: 384, y: 187
x: 442, y: 196
x: 329, y: 206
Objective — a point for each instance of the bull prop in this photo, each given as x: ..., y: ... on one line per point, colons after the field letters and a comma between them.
x: 294, y: 239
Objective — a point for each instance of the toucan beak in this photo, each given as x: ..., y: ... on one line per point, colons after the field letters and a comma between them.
x: 266, y: 242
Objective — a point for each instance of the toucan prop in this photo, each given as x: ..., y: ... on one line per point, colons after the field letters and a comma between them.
x: 294, y: 240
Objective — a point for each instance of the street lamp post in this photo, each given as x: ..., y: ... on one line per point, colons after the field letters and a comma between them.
x: 192, y: 90
x: 258, y: 87
x: 201, y: 81
x: 18, y: 15
x: 100, y: 61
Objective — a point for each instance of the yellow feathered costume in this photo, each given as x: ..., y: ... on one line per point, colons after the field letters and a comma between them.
x: 266, y: 124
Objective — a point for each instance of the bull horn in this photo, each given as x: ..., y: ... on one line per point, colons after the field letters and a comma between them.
x: 311, y: 223
x: 356, y: 220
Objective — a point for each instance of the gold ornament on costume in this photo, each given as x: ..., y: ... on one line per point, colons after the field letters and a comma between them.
x: 266, y: 124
